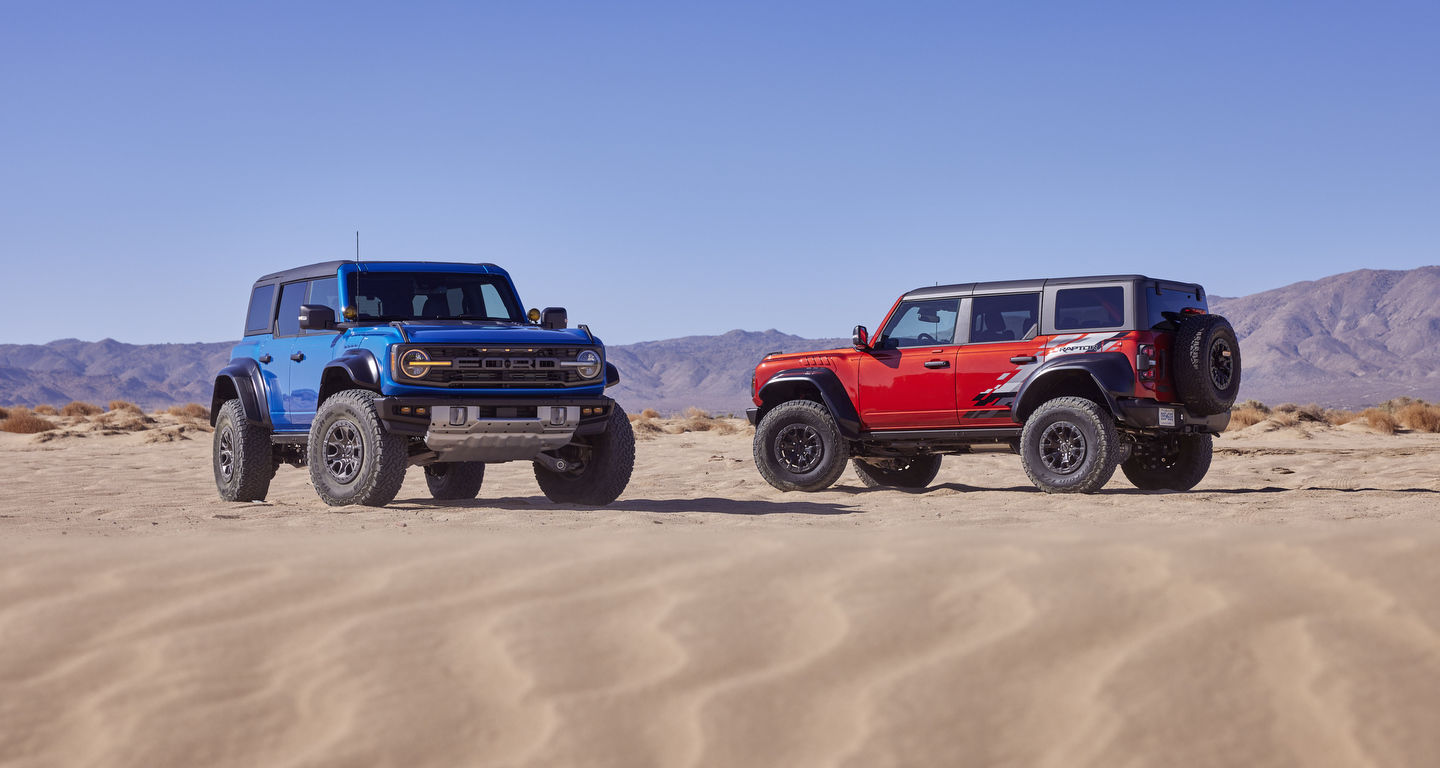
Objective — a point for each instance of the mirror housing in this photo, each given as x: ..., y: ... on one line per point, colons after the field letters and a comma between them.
x: 554, y: 318
x: 317, y: 317
x: 860, y: 337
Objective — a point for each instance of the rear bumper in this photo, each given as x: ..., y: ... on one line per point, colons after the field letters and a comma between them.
x: 1167, y: 417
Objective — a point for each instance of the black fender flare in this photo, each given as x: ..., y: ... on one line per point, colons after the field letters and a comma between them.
x: 242, y: 377
x: 612, y: 375
x: 1110, y: 371
x: 832, y: 394
x: 353, y: 369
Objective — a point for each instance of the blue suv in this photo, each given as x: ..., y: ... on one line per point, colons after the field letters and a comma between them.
x: 360, y: 370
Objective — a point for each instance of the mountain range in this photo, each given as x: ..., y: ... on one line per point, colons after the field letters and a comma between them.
x: 1346, y: 340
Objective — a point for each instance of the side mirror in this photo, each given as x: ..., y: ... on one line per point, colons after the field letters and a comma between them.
x: 554, y: 318
x: 860, y: 338
x: 317, y: 317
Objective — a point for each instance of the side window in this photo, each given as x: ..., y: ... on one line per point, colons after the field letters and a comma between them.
x: 1008, y: 317
x: 257, y: 318
x: 326, y: 293
x: 287, y: 321
x: 922, y: 324
x: 1089, y: 308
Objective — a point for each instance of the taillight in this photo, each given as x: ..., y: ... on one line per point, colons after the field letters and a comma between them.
x: 1145, y: 362
x: 1192, y: 311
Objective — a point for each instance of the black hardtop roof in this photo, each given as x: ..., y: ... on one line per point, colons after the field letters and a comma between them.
x: 1026, y: 286
x: 327, y: 269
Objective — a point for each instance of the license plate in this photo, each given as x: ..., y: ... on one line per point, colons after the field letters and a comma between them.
x: 1167, y: 417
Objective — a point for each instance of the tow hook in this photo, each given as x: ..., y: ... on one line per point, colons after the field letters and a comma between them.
x: 553, y: 463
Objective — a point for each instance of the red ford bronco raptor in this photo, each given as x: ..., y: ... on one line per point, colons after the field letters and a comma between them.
x: 1078, y: 375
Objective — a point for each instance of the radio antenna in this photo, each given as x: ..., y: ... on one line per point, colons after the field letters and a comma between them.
x: 357, y: 245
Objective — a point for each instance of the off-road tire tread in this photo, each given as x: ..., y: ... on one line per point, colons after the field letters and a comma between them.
x: 462, y: 480
x: 1192, y: 372
x: 1107, y: 446
x: 1195, y: 464
x: 917, y: 476
x: 601, y: 485
x: 254, y: 462
x: 385, y: 460
x: 836, y: 448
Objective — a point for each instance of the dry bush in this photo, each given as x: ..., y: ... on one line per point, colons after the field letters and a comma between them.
x: 4, y: 413
x: 645, y: 427
x: 1398, y: 403
x: 25, y: 423
x: 124, y: 405
x: 1311, y: 412
x: 77, y: 408
x: 122, y: 420
x: 1286, y: 408
x: 1420, y: 416
x: 1245, y: 416
x: 1285, y: 418
x: 695, y: 413
x: 1380, y: 421
x: 190, y: 411
x: 1254, y: 405
x: 649, y: 413
x: 45, y: 410
x: 1338, y: 417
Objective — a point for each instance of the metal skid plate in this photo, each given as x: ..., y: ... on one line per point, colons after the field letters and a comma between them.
x: 461, y: 433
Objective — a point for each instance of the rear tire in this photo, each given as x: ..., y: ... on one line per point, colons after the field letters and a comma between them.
x: 1069, y: 445
x: 798, y: 447
x: 1176, y: 463
x: 603, y: 464
x: 455, y: 480
x: 1207, y: 364
x: 241, y: 455
x: 353, y: 459
x: 909, y: 473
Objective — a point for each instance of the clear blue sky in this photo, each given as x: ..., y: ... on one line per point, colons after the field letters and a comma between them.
x: 671, y: 168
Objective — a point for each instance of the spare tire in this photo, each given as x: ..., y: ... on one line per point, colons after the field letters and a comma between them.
x: 1207, y: 364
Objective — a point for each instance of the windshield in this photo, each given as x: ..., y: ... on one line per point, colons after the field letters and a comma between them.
x: 387, y: 296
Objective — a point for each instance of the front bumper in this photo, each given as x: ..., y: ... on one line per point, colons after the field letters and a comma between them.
x: 1167, y: 417
x: 494, y: 429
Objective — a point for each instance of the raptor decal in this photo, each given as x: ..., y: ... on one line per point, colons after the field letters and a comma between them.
x: 1009, y: 383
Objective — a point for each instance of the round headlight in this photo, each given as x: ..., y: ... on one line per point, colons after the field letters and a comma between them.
x: 408, y: 363
x: 587, y: 364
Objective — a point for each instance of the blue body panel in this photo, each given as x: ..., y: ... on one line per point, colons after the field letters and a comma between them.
x: 292, y: 387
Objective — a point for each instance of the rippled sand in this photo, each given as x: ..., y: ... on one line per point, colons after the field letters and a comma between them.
x: 1284, y: 614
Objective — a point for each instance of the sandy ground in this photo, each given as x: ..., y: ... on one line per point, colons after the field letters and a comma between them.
x: 1285, y: 613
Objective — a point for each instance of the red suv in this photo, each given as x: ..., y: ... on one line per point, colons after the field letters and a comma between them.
x: 1078, y: 375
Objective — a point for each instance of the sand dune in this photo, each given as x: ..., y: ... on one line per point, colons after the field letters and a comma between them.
x: 1283, y: 614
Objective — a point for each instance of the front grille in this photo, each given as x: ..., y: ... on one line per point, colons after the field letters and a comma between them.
x: 502, y: 367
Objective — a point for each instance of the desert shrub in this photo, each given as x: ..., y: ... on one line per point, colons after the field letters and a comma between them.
x: 1338, y: 417
x: 190, y: 411
x: 1420, y: 416
x: 1311, y: 412
x: 695, y: 413
x: 1286, y: 408
x: 45, y: 410
x: 649, y: 413
x: 4, y: 414
x: 1380, y: 420
x: 124, y: 405
x: 1397, y: 404
x: 1254, y: 405
x: 1285, y: 418
x: 77, y: 408
x: 1245, y: 416
x: 23, y: 422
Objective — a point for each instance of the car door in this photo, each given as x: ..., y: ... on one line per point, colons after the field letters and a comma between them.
x: 1001, y: 349
x: 309, y: 353
x: 907, y: 379
x: 283, y: 349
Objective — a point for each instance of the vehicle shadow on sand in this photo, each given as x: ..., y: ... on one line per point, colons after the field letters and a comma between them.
x: 749, y: 507
x: 860, y: 489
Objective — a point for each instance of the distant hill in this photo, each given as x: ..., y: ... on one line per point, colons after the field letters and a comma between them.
x: 1347, y: 340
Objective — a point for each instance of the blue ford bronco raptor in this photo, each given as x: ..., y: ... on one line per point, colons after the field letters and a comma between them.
x: 360, y: 370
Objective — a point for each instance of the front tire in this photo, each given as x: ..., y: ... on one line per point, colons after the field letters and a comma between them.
x: 353, y: 459
x: 455, y: 480
x: 601, y: 465
x: 1069, y: 445
x: 798, y: 447
x: 910, y: 473
x: 1176, y: 463
x: 241, y: 455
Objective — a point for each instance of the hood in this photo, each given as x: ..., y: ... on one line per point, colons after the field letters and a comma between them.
x: 429, y: 333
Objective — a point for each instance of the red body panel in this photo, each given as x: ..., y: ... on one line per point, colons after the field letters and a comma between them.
x: 898, y: 391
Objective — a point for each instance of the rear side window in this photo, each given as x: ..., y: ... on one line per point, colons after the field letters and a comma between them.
x: 1165, y: 305
x: 1009, y: 317
x: 257, y: 319
x: 922, y: 324
x: 1078, y: 309
x: 287, y: 321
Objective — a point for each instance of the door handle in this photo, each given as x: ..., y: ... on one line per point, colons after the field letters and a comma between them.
x: 1022, y: 359
x: 265, y: 358
x: 297, y: 356
x: 937, y: 364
